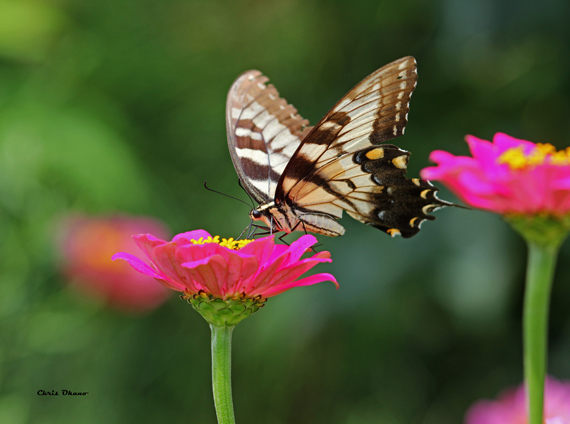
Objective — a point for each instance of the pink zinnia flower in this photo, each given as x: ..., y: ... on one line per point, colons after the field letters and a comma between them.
x: 196, y: 263
x: 87, y: 245
x: 508, y: 176
x: 511, y: 406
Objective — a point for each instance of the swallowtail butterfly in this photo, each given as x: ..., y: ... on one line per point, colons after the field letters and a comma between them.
x: 304, y: 177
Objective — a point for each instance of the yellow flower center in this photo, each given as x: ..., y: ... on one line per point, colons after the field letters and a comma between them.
x: 541, y: 154
x: 229, y: 243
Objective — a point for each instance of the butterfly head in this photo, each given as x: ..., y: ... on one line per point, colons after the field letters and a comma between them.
x: 256, y: 215
x: 274, y: 217
x: 262, y: 213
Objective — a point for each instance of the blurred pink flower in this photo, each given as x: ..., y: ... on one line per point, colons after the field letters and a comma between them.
x: 195, y: 262
x: 87, y: 246
x: 511, y: 406
x: 508, y: 176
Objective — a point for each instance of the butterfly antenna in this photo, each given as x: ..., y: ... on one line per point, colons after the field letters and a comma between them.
x: 248, y: 195
x: 224, y: 194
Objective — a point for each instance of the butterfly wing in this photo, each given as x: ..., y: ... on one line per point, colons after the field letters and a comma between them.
x: 263, y: 133
x: 339, y: 166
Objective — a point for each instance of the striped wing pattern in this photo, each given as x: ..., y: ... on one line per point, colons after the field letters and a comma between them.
x: 304, y: 178
x: 374, y: 111
x: 264, y: 131
x: 340, y: 166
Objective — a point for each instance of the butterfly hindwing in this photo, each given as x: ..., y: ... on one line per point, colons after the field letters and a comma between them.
x: 263, y: 133
x: 394, y: 204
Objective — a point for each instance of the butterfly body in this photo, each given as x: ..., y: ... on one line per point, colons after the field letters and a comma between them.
x: 288, y: 218
x: 305, y: 177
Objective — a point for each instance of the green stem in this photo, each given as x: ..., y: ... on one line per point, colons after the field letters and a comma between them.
x: 221, y: 373
x: 540, y: 270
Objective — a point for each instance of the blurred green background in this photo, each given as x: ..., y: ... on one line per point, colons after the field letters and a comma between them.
x: 118, y: 106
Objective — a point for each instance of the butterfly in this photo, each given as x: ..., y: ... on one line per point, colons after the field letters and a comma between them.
x: 304, y: 177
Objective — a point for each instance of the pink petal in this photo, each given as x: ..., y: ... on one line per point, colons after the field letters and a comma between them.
x: 505, y: 142
x: 262, y: 248
x: 477, y: 183
x: 307, y: 281
x: 195, y: 252
x: 265, y: 275
x: 210, y: 273
x: 184, y: 238
x: 137, y: 264
x: 482, y: 150
x: 143, y: 268
x: 299, y: 247
x: 278, y: 250
x: 441, y: 157
x: 147, y: 242
x: 240, y: 268
x: 237, y: 269
x: 287, y: 274
x: 164, y: 259
x: 562, y: 183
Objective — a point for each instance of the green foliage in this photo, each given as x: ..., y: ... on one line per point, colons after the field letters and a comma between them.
x: 118, y: 106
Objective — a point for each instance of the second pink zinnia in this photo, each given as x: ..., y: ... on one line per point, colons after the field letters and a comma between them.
x: 507, y: 176
x: 511, y: 406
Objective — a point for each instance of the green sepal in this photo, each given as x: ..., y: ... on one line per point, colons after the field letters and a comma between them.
x: 224, y: 312
x: 542, y: 230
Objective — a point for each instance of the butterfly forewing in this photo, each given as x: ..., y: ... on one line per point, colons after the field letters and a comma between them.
x: 338, y: 166
x: 263, y: 133
x: 374, y: 111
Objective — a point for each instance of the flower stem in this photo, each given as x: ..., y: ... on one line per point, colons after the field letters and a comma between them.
x: 540, y: 270
x: 221, y: 373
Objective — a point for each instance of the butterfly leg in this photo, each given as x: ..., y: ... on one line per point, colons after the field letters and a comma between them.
x: 306, y: 232
x: 283, y: 241
x: 265, y: 232
x: 246, y: 230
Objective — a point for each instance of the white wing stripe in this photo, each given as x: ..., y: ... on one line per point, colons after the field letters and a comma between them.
x: 272, y: 129
x: 278, y: 161
x: 245, y: 132
x: 289, y: 150
x: 313, y: 150
x: 370, y: 106
x: 257, y: 156
x: 353, y: 133
x: 279, y: 168
x: 249, y: 112
x: 262, y: 119
x: 283, y: 140
x: 262, y: 185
